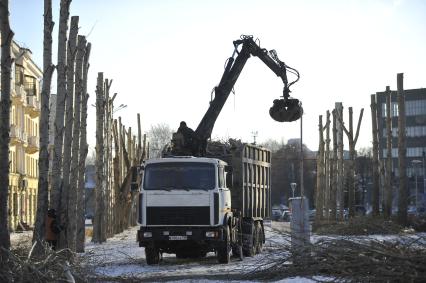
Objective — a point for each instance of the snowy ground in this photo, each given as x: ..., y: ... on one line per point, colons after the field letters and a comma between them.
x: 121, y: 257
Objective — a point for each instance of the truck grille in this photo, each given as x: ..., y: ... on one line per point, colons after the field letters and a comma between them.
x: 176, y: 215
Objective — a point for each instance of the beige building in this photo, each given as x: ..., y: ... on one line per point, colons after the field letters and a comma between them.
x: 24, y: 138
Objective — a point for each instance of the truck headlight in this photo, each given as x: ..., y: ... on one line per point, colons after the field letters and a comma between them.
x: 147, y: 234
x: 211, y: 234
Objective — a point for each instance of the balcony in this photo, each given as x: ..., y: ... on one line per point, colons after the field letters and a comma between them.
x: 19, y: 95
x: 33, y: 106
x: 33, y: 145
x: 15, y: 135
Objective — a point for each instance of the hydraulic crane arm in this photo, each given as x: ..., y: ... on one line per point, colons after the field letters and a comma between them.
x: 283, y: 110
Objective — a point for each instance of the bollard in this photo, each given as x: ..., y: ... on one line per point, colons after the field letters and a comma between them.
x: 299, y: 225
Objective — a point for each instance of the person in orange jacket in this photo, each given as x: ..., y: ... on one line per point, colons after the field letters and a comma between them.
x: 53, y: 228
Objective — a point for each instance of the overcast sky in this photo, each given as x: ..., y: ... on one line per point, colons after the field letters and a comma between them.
x: 165, y: 57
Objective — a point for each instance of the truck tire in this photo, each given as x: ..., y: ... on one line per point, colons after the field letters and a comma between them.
x: 250, y: 248
x: 259, y: 236
x: 224, y: 251
x: 152, y: 255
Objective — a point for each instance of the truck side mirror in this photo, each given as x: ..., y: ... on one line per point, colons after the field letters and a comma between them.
x: 229, y: 180
x: 229, y: 169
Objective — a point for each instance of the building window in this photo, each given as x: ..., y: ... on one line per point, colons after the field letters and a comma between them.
x: 412, y: 108
x: 19, y: 74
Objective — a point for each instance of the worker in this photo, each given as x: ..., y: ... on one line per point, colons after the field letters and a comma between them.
x: 53, y: 228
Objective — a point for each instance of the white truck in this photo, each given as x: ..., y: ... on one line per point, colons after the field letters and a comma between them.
x: 193, y: 205
x: 203, y: 196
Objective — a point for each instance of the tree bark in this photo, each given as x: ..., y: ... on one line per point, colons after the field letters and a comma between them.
x: 139, y: 151
x: 340, y: 173
x: 73, y: 213
x: 43, y: 161
x: 6, y: 67
x: 402, y: 153
x: 98, y: 222
x: 69, y: 120
x: 81, y: 227
x: 56, y: 190
x: 319, y: 200
x: 333, y: 172
x: 327, y: 168
x: 376, y: 168
x: 352, y: 154
x: 388, y: 172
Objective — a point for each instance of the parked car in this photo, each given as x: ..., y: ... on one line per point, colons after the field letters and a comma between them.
x: 286, y: 216
x: 277, y: 214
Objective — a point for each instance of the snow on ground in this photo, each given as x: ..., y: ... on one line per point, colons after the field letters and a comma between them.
x: 121, y: 256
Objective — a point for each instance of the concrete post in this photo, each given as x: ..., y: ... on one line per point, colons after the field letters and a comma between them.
x: 299, y: 225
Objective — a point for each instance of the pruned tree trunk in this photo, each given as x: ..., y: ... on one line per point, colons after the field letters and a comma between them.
x: 319, y: 199
x: 388, y: 172
x: 43, y: 160
x: 6, y: 67
x: 376, y: 168
x: 81, y: 227
x: 55, y: 195
x: 69, y: 120
x: 327, y: 168
x: 98, y: 220
x: 402, y: 154
x: 340, y: 173
x: 139, y: 151
x: 352, y: 155
x: 333, y: 172
x: 73, y: 213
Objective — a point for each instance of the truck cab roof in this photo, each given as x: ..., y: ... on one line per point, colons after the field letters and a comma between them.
x: 186, y: 159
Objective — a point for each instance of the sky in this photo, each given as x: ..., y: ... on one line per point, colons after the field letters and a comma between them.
x: 166, y: 56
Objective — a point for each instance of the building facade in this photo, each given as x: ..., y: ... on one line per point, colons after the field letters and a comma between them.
x: 415, y: 110
x: 24, y: 138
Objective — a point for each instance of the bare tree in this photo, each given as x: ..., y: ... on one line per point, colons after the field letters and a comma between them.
x: 388, y: 171
x: 402, y: 153
x: 73, y: 213
x: 82, y: 155
x: 351, y: 170
x: 98, y: 220
x: 319, y: 196
x: 55, y: 195
x: 159, y: 136
x: 43, y: 161
x: 327, y: 167
x: 6, y: 65
x: 333, y: 171
x: 340, y: 175
x: 69, y: 120
x: 376, y: 168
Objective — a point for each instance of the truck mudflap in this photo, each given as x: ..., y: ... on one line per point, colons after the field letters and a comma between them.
x: 170, y: 235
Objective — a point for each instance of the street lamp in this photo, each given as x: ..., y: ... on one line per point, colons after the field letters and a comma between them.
x: 415, y: 162
x: 293, y: 187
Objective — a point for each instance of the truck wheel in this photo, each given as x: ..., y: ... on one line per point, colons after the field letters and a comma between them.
x: 259, y: 234
x: 152, y: 255
x: 250, y: 248
x: 224, y: 251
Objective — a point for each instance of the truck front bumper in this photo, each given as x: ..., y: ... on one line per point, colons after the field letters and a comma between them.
x: 170, y: 235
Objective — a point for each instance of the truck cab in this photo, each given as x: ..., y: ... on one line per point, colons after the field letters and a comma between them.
x: 184, y: 207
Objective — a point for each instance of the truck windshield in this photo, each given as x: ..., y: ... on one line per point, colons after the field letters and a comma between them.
x: 179, y: 176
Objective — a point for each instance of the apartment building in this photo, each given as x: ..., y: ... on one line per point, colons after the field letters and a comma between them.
x: 415, y: 111
x: 24, y: 138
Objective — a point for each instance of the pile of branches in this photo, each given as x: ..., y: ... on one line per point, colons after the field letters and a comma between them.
x: 25, y: 264
x: 344, y: 259
x: 360, y: 226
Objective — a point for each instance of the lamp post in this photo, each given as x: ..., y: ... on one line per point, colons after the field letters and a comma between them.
x: 415, y: 162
